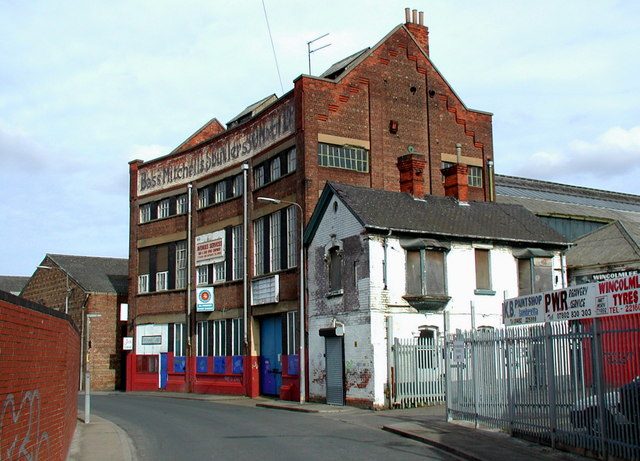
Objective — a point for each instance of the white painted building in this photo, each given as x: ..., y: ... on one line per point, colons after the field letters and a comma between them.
x: 384, y: 265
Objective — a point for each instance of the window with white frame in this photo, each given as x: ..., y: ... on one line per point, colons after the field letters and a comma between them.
x: 163, y: 208
x: 292, y: 236
x: 237, y: 185
x: 258, y: 246
x: 343, y: 157
x: 181, y: 264
x: 237, y: 336
x: 274, y: 167
x: 143, y: 283
x: 203, y: 339
x: 291, y: 159
x: 145, y: 213
x: 162, y: 280
x: 203, y: 197
x: 275, y: 236
x: 237, y: 242
x: 179, y: 345
x: 258, y: 176
x: 220, y: 338
x: 181, y: 204
x: 202, y: 275
x: 475, y: 176
x: 292, y: 333
x: 219, y: 272
x: 220, y: 191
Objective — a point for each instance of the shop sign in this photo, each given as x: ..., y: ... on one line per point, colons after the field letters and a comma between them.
x: 210, y: 248
x: 204, y: 301
x: 606, y: 298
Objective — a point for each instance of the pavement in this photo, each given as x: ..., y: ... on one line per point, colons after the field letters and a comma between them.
x: 102, y: 440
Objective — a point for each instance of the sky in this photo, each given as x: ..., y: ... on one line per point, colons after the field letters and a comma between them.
x: 87, y: 86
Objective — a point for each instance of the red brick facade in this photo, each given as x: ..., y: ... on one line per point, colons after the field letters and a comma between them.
x: 388, y: 102
x: 39, y: 408
x: 49, y: 287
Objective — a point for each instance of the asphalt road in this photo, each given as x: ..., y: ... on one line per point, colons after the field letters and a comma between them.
x: 167, y: 429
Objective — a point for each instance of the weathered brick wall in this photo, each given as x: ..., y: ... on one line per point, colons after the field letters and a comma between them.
x: 106, y: 364
x: 39, y: 374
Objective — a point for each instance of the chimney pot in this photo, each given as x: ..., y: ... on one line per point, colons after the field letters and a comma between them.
x: 421, y: 18
x: 407, y: 15
x: 415, y: 16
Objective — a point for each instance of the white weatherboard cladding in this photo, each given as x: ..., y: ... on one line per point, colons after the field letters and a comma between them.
x: 149, y: 330
x: 340, y: 223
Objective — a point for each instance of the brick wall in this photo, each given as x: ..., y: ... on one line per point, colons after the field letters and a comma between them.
x: 39, y: 375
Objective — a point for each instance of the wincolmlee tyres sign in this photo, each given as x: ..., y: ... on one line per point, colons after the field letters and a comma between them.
x: 601, y: 299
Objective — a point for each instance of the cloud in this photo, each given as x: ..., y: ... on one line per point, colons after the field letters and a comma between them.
x: 611, y: 157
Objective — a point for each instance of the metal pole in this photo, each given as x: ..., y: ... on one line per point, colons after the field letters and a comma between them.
x: 189, y: 238
x: 87, y: 379
x: 302, y: 312
x: 87, y: 373
x: 66, y: 299
x: 245, y: 245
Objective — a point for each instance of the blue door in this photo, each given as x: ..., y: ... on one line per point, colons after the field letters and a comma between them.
x: 163, y: 370
x: 271, y: 355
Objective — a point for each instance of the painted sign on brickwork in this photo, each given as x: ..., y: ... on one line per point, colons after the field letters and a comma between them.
x: 208, y: 159
x: 606, y: 298
x: 210, y: 248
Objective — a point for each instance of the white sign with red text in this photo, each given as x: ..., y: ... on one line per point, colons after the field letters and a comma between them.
x: 600, y: 299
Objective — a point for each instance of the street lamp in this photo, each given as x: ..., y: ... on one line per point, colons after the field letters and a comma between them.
x: 66, y: 298
x: 87, y: 372
x: 301, y: 367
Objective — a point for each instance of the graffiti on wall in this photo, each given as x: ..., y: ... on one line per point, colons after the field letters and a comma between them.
x: 20, y: 436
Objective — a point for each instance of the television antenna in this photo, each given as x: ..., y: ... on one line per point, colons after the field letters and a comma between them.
x: 309, y: 50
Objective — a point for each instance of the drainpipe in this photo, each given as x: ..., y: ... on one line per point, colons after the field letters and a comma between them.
x: 389, y: 361
x: 245, y: 281
x: 188, y: 319
x: 490, y: 165
x: 385, y: 263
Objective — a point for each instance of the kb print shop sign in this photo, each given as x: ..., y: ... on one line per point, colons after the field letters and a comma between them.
x: 216, y: 156
x: 600, y: 299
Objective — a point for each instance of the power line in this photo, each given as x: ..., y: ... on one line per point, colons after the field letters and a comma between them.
x: 275, y: 58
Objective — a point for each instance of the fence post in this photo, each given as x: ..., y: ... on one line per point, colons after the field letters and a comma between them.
x: 390, y: 362
x: 507, y: 353
x: 474, y: 375
x: 551, y: 382
x: 598, y: 373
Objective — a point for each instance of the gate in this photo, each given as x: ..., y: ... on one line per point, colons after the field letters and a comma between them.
x: 564, y: 384
x: 419, y: 372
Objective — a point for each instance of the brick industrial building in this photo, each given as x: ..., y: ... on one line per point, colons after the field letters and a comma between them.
x: 85, y: 285
x: 383, y: 118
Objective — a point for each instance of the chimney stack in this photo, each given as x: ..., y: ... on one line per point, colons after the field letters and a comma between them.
x: 411, y: 168
x: 414, y: 22
x: 456, y: 178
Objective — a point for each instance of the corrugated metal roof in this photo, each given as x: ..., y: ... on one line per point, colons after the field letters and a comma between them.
x: 614, y: 244
x: 566, y: 198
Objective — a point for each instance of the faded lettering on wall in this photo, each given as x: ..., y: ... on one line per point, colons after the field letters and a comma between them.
x: 216, y: 156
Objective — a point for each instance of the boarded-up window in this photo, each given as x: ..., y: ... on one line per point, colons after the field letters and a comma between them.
x: 483, y: 274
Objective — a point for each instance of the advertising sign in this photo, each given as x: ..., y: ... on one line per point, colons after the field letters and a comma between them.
x: 600, y: 299
x: 204, y: 302
x: 210, y: 248
x: 127, y: 343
